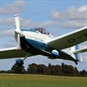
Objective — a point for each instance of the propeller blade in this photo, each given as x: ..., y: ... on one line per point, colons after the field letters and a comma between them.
x: 17, y: 22
x: 17, y: 30
x: 18, y: 40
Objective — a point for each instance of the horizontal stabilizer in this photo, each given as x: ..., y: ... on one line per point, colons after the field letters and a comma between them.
x: 80, y: 50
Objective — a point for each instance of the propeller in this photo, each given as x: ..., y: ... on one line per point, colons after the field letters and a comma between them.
x: 17, y: 30
x: 17, y: 22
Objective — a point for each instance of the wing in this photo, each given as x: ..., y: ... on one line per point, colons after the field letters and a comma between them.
x: 69, y: 39
x: 12, y: 53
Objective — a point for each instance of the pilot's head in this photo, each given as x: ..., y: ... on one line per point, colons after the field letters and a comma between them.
x: 40, y: 30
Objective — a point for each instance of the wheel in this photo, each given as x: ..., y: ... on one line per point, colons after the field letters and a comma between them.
x: 19, y: 62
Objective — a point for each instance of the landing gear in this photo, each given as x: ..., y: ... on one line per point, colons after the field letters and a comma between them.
x: 76, y: 62
x: 20, y: 62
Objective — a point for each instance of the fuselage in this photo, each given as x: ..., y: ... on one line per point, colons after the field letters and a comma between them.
x: 34, y: 34
x: 35, y: 42
x: 37, y: 36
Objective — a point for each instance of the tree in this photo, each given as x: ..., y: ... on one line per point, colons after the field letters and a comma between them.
x: 43, y: 69
x: 32, y: 68
x: 37, y: 69
x: 83, y: 73
x: 69, y: 69
x: 18, y: 69
x: 54, y: 69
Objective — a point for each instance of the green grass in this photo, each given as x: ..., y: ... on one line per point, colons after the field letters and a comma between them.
x: 16, y: 80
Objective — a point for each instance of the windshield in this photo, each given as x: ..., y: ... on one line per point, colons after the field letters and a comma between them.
x: 40, y: 30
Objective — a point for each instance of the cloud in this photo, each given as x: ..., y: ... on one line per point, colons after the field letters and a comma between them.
x: 8, y: 36
x: 15, y: 7
x: 84, y: 57
x: 83, y: 8
x: 45, y: 24
x: 7, y: 21
x: 74, y: 24
x: 11, y: 22
x: 70, y: 13
x: 71, y: 17
x: 7, y: 32
x: 26, y: 23
x: 83, y: 45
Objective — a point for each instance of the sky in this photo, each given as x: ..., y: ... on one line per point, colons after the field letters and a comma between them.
x: 57, y: 16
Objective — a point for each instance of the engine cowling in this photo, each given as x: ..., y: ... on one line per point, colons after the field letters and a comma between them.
x: 55, y: 53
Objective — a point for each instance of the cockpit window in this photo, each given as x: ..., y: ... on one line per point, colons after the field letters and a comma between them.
x: 40, y: 30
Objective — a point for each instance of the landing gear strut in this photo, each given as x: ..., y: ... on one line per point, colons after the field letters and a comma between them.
x: 20, y: 62
x: 76, y: 62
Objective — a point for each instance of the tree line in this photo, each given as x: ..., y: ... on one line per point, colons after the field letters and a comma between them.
x: 33, y: 68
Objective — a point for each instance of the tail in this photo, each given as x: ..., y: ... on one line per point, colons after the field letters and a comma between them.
x: 78, y: 56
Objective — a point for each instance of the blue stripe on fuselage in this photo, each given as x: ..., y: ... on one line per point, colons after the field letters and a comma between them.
x: 39, y: 45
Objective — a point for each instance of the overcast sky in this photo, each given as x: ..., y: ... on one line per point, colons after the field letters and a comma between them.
x: 57, y: 16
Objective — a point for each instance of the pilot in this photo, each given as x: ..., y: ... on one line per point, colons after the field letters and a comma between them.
x: 40, y: 30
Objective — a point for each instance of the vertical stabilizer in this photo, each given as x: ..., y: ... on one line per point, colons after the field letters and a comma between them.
x: 77, y: 56
x: 80, y: 57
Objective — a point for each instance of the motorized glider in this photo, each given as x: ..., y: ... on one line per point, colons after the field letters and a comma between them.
x: 38, y: 41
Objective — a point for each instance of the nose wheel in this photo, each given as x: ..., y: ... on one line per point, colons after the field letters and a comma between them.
x: 20, y: 62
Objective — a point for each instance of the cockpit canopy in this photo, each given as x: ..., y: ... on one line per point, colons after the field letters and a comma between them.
x: 40, y: 30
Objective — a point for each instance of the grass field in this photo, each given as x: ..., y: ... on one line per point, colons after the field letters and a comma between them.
x: 12, y: 80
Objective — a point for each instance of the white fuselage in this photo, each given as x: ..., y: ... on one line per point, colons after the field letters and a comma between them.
x: 37, y: 36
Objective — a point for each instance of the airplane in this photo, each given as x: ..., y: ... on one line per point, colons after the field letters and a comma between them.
x: 38, y: 41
